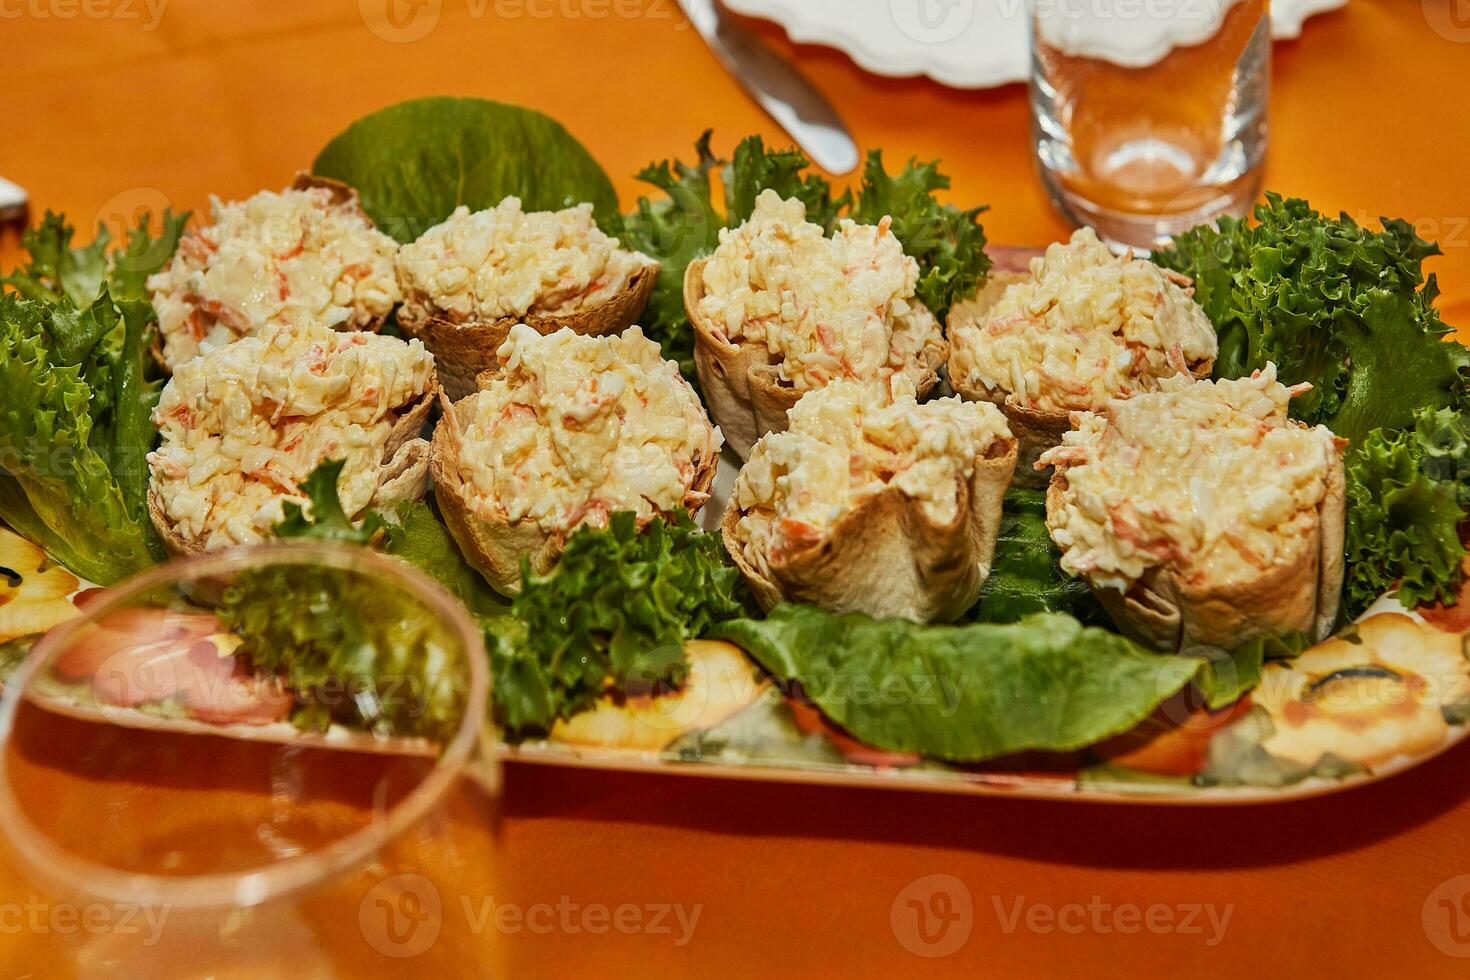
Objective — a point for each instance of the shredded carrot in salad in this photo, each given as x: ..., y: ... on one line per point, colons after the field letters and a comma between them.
x: 825, y: 308
x: 275, y: 258
x: 1211, y: 477
x: 573, y: 428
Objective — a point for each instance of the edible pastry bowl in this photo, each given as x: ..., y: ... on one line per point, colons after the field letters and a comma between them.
x: 402, y: 475
x: 495, y: 546
x: 464, y: 350
x: 741, y: 383
x: 1301, y: 592
x: 887, y: 558
x: 1036, y: 430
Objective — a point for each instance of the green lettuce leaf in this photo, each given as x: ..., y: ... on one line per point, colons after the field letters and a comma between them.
x: 677, y: 229
x: 416, y: 535
x: 948, y: 242
x: 612, y: 615
x: 128, y: 427
x: 74, y: 434
x: 1230, y: 675
x: 411, y: 531
x: 963, y: 693
x: 142, y: 255
x: 348, y: 649
x: 327, y: 520
x: 1408, y: 496
x: 77, y: 392
x: 753, y: 169
x: 684, y: 223
x: 58, y: 270
x: 1334, y: 304
x: 415, y: 162
x: 1025, y: 576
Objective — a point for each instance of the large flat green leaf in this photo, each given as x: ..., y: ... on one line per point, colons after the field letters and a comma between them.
x: 964, y: 693
x: 415, y: 162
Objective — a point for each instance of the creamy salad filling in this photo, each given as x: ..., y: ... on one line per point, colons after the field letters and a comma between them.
x: 573, y: 428
x: 505, y: 262
x: 1086, y: 326
x: 1210, y: 477
x: 825, y: 308
x: 272, y: 259
x: 244, y: 424
x: 847, y: 443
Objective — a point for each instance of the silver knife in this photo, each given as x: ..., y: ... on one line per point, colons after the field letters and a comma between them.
x: 780, y: 89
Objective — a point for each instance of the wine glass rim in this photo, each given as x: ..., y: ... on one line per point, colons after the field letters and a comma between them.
x: 291, y: 874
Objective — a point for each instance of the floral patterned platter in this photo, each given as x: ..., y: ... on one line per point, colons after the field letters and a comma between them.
x: 1386, y: 693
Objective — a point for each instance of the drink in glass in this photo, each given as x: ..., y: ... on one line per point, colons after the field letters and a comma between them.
x: 215, y: 808
x: 1149, y: 116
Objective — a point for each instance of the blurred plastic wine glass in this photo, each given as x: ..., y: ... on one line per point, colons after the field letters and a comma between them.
x: 230, y: 753
x: 1150, y: 118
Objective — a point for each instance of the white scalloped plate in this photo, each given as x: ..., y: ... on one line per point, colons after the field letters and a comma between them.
x: 961, y: 43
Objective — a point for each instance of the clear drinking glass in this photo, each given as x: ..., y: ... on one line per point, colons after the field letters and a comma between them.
x: 1149, y: 116
x: 180, y: 805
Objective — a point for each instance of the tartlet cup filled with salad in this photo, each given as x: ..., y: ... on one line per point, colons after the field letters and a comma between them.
x: 781, y: 309
x: 569, y: 430
x: 1082, y: 326
x: 468, y: 281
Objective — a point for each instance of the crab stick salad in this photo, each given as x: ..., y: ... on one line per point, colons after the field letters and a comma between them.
x: 823, y: 308
x: 505, y: 262
x: 1208, y: 477
x: 573, y: 428
x: 304, y: 255
x: 1083, y: 327
x: 244, y: 424
x: 846, y: 444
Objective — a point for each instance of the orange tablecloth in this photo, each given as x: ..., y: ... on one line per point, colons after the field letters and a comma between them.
x: 1368, y: 115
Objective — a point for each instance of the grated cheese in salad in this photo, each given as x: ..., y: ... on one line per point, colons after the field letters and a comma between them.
x: 825, y: 308
x: 273, y: 259
x: 243, y: 425
x: 505, y: 262
x: 574, y: 428
x: 847, y: 443
x: 1211, y: 477
x: 1084, y: 327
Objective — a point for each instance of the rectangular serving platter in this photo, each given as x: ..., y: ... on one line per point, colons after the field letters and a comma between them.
x: 744, y: 728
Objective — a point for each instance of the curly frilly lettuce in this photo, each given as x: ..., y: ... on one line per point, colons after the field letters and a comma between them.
x: 613, y: 615
x: 74, y: 436
x: 1351, y: 312
x: 77, y: 397
x: 1331, y: 303
x: 1408, y: 496
x: 1025, y: 576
